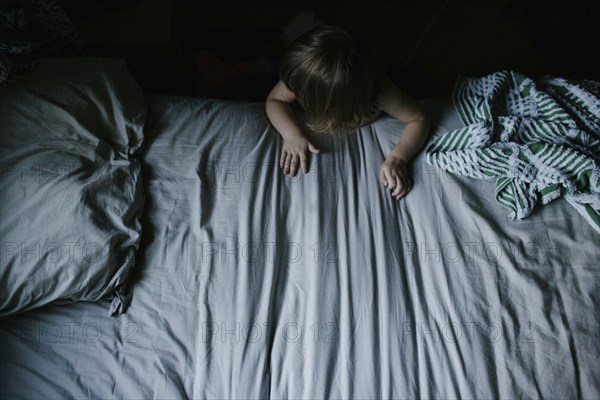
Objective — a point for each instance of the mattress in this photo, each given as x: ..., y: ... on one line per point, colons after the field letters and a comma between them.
x: 248, y: 284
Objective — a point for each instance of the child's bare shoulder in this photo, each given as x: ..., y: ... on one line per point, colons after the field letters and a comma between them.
x: 282, y: 93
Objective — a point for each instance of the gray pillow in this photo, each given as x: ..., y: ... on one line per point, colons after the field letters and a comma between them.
x: 70, y: 187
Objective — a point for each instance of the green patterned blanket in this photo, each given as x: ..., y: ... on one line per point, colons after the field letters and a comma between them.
x: 538, y: 141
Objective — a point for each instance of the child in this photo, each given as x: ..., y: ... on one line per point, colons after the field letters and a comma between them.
x: 330, y: 72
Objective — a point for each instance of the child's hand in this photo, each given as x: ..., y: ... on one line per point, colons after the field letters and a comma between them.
x: 394, y: 175
x: 293, y: 155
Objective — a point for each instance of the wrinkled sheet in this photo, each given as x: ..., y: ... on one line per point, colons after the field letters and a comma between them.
x: 251, y: 285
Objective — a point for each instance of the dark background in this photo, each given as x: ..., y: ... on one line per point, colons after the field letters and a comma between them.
x: 230, y: 48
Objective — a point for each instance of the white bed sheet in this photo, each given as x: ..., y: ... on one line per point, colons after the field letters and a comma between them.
x: 251, y: 285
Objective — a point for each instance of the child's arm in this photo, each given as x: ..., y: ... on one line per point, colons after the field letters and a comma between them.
x: 295, y: 144
x: 393, y: 173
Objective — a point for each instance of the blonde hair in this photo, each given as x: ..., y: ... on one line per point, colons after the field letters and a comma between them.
x: 332, y: 73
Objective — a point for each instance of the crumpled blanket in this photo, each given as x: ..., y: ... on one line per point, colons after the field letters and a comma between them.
x: 537, y: 140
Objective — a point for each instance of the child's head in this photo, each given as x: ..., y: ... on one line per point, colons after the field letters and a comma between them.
x: 332, y: 73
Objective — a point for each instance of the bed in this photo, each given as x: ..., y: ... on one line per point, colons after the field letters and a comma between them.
x: 209, y: 274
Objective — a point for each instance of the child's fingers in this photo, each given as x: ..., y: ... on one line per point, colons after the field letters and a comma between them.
x: 390, y: 180
x: 288, y: 162
x: 407, y: 186
x: 402, y: 194
x: 399, y: 187
x: 382, y: 178
x: 294, y: 164
x: 282, y: 158
x: 304, y: 162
